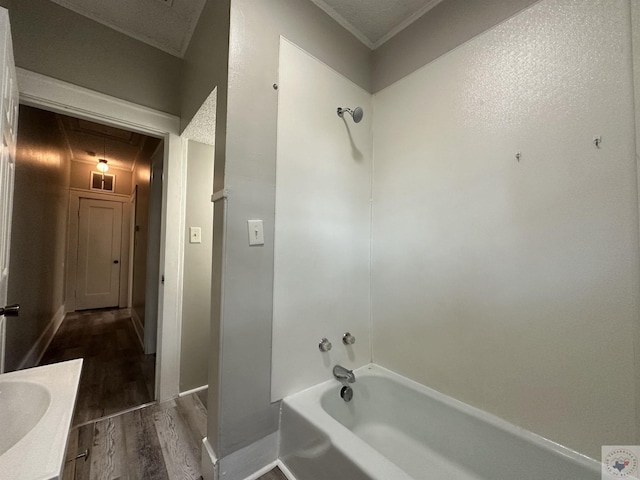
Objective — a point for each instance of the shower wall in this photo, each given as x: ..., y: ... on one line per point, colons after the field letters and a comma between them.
x: 505, y: 242
x: 322, y: 228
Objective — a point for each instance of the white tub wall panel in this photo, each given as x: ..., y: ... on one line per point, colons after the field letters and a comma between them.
x: 509, y: 285
x: 322, y: 225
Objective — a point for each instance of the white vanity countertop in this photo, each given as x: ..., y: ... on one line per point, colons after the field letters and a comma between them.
x: 39, y: 454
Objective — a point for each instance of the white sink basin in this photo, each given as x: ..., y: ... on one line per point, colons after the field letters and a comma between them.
x: 36, y: 409
x: 17, y: 416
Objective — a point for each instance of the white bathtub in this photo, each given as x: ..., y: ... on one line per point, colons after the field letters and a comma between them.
x: 396, y: 429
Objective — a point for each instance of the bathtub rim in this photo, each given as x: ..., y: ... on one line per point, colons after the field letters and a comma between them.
x: 308, y: 403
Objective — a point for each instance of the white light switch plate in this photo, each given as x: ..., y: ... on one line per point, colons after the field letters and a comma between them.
x: 195, y: 235
x: 256, y: 233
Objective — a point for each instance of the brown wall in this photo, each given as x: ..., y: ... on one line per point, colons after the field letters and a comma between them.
x: 81, y: 172
x: 38, y: 237
x: 140, y: 179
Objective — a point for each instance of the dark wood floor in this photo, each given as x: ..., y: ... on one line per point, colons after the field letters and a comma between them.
x: 275, y: 474
x: 156, y: 442
x: 116, y: 374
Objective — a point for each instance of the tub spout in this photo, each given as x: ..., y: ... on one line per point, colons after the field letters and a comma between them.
x: 343, y: 374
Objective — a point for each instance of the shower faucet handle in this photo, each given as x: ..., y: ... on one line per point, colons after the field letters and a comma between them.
x: 348, y: 339
x: 324, y: 345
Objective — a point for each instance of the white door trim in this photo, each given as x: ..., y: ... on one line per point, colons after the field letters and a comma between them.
x: 44, y: 92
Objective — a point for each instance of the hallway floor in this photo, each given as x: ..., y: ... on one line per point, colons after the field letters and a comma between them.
x: 154, y: 442
x: 116, y: 374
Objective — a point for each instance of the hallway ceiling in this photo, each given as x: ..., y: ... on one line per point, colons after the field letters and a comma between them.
x: 89, y: 141
x: 374, y: 22
x: 164, y: 24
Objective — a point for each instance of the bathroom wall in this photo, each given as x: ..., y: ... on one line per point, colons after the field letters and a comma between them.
x: 196, y: 300
x: 54, y: 41
x: 635, y: 30
x: 81, y: 175
x: 247, y: 172
x: 512, y: 285
x: 39, y: 233
x: 444, y: 27
x: 322, y: 224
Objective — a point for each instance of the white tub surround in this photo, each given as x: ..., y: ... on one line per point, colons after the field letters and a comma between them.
x: 322, y: 224
x: 36, y: 409
x: 397, y: 429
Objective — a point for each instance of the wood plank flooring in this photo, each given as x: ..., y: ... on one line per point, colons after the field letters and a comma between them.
x: 275, y: 474
x: 158, y: 442
x: 116, y: 374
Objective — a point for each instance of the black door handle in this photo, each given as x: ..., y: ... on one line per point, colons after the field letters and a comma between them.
x: 116, y: 261
x: 10, y: 310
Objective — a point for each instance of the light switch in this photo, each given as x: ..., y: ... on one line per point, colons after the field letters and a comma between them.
x: 256, y: 234
x: 195, y: 235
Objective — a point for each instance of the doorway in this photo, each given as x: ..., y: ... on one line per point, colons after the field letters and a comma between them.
x: 96, y: 227
x: 61, y: 97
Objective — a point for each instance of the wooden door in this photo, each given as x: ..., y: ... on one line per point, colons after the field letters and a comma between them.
x: 99, y: 241
x: 8, y: 135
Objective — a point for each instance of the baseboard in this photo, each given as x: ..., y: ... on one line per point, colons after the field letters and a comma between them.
x: 138, y: 327
x: 252, y: 461
x: 35, y: 354
x: 285, y: 470
x: 262, y: 471
x: 193, y: 390
x: 209, y: 462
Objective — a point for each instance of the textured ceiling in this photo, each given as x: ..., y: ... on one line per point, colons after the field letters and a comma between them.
x: 164, y: 24
x: 374, y: 22
x: 89, y: 141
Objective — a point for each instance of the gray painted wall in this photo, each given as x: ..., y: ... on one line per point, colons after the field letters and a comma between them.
x: 483, y: 257
x: 39, y: 231
x: 205, y: 61
x: 205, y: 69
x: 62, y: 44
x: 635, y: 39
x: 245, y: 412
x: 196, y: 305
x: 447, y: 25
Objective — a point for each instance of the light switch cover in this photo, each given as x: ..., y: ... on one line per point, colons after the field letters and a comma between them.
x: 195, y: 235
x: 256, y: 233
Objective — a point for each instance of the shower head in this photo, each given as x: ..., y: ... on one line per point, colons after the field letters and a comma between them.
x: 356, y: 113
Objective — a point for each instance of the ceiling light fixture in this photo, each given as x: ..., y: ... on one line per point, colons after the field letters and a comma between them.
x: 102, y: 162
x: 102, y: 165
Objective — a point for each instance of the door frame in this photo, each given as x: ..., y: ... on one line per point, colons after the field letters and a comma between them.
x: 47, y: 93
x: 75, y: 194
